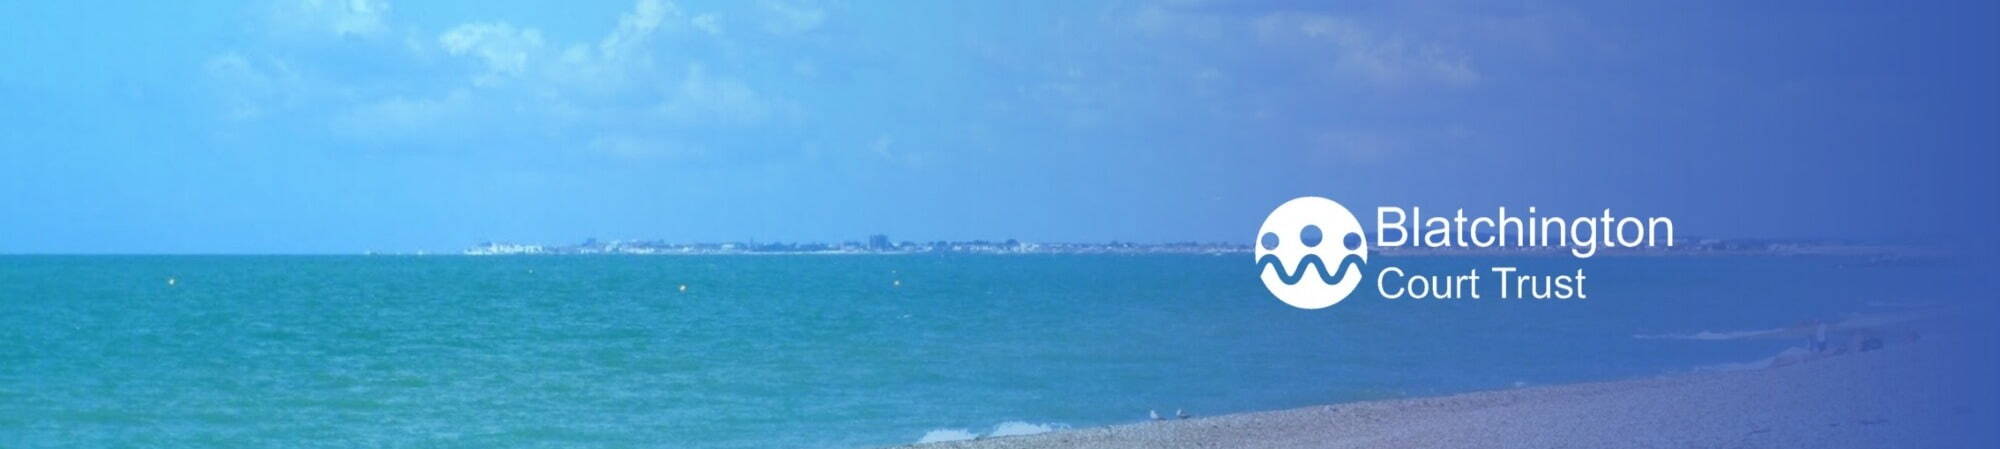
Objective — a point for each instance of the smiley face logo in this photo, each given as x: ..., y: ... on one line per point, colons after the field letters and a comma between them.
x: 1296, y: 244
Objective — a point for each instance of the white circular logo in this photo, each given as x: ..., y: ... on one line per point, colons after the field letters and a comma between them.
x: 1310, y: 251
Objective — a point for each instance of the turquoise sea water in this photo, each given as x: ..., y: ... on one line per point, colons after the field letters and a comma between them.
x: 821, y: 351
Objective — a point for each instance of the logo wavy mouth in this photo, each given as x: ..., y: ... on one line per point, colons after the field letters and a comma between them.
x: 1310, y: 261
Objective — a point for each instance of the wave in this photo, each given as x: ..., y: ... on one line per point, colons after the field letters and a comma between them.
x: 942, y: 435
x: 1005, y: 429
x: 1738, y: 366
x: 1788, y: 356
x: 1908, y: 316
x: 1712, y: 335
x: 1016, y: 428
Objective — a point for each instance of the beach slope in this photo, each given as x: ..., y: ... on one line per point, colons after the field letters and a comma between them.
x: 1919, y: 395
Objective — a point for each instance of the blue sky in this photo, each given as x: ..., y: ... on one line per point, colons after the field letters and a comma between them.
x: 344, y: 126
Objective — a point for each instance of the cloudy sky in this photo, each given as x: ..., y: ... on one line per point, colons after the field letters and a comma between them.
x: 345, y: 126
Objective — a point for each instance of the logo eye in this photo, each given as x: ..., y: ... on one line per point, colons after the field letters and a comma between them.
x: 1352, y: 241
x: 1270, y: 240
x: 1311, y: 236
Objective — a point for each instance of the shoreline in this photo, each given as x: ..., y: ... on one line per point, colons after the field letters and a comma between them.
x: 1915, y: 395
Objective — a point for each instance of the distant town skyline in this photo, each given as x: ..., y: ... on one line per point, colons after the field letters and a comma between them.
x: 883, y: 244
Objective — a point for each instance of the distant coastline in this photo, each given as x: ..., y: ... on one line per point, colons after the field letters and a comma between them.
x: 877, y: 244
x: 881, y: 244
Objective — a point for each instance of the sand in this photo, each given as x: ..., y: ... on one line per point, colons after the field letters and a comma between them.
x: 1917, y: 395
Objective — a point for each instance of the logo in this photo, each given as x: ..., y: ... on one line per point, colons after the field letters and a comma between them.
x: 1310, y: 251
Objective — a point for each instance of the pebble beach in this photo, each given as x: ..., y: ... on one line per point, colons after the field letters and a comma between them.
x: 1917, y: 396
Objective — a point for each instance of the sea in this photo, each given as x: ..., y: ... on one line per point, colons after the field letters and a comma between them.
x: 844, y: 351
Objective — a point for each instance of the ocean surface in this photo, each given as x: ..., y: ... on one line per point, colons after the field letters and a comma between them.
x: 832, y: 351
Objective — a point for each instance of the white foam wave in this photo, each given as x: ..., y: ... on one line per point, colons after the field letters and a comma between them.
x: 1005, y: 429
x: 1013, y: 428
x: 941, y: 435
x: 1791, y: 354
x: 1737, y: 366
x: 1712, y: 335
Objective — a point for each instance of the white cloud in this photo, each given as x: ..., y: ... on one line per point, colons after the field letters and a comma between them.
x: 707, y: 23
x: 1379, y: 145
x: 608, y: 90
x: 632, y: 147
x: 634, y: 27
x: 508, y: 52
x: 1356, y: 146
x: 701, y: 98
x: 251, y: 89
x: 881, y: 146
x: 884, y: 148
x: 787, y: 19
x: 592, y: 85
x: 1351, y: 47
x: 398, y: 116
x: 1362, y: 52
x: 505, y: 50
x: 338, y: 17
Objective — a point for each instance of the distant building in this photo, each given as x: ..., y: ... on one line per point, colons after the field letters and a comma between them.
x: 879, y: 242
x: 503, y: 249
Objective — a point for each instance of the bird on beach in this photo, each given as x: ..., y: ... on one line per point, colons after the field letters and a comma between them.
x: 1155, y: 414
x: 1180, y: 414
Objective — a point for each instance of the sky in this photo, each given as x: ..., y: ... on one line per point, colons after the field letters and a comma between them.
x: 329, y: 126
